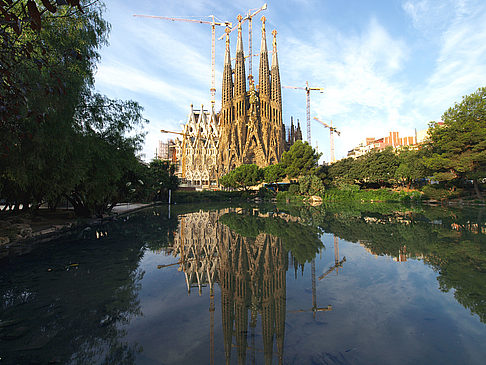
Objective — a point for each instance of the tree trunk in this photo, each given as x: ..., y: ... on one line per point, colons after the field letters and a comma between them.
x: 476, y: 189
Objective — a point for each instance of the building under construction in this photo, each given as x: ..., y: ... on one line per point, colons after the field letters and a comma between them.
x: 250, y: 122
x: 197, y: 150
x: 248, y: 129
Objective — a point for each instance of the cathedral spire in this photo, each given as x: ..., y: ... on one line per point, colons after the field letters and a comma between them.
x: 275, y: 75
x: 227, y: 73
x: 240, y: 79
x: 264, y: 74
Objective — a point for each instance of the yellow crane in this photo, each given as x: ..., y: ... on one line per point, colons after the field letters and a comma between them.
x: 213, y: 25
x: 307, y: 90
x: 331, y: 131
x: 249, y: 16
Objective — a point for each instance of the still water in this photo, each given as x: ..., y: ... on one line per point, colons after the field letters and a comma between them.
x: 369, y: 284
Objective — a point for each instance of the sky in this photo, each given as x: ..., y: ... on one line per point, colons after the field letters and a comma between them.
x: 385, y: 65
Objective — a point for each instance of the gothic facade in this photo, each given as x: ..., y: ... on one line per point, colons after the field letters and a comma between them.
x: 250, y: 122
x: 197, y: 151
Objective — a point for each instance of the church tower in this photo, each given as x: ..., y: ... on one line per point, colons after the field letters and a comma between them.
x: 239, y: 101
x: 264, y: 86
x: 251, y: 128
x: 276, y: 142
x: 228, y: 150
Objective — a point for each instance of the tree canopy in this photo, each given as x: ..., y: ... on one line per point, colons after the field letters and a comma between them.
x: 300, y: 159
x: 459, y: 144
x: 243, y: 176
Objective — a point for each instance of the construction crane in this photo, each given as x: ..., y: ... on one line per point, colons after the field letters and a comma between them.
x: 307, y: 90
x: 249, y: 16
x: 213, y: 24
x: 331, y: 131
x: 183, y: 162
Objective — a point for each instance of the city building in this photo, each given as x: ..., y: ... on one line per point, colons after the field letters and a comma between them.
x: 392, y: 140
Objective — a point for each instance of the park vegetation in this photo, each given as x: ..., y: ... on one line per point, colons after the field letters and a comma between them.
x: 450, y: 164
x: 59, y: 140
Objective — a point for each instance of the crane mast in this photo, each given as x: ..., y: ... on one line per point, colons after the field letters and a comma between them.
x: 213, y: 24
x: 249, y: 17
x: 307, y: 90
x: 331, y: 131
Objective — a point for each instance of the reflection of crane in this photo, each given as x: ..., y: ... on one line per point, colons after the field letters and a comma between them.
x: 249, y: 17
x: 337, y: 263
x: 213, y: 36
x: 331, y: 131
x: 307, y: 90
x: 314, y: 308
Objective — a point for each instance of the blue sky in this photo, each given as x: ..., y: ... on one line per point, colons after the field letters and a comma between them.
x: 390, y: 65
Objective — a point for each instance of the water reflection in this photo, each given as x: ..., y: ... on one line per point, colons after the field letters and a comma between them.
x: 263, y: 288
x: 250, y: 268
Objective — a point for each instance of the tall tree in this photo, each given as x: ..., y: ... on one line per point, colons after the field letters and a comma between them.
x: 459, y: 144
x: 301, y: 159
x: 273, y: 174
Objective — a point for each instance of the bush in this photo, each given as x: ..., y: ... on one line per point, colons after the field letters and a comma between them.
x: 311, y: 185
x: 438, y: 192
x: 294, y: 189
x: 265, y: 193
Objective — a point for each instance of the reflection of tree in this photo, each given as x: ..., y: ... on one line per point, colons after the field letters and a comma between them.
x: 69, y: 300
x: 301, y: 240
x: 452, y: 241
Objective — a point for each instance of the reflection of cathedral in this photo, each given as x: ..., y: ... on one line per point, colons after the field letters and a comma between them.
x: 251, y: 274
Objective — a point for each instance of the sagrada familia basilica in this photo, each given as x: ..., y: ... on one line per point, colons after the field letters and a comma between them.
x: 249, y: 127
x: 250, y: 122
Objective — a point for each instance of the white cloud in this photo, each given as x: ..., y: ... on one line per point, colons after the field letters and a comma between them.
x: 357, y: 73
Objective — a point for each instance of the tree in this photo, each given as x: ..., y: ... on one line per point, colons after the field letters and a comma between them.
x: 340, y: 171
x: 459, y: 144
x: 311, y: 185
x: 108, y: 155
x: 242, y: 177
x: 161, y: 179
x: 411, y: 166
x: 377, y: 167
x: 45, y: 73
x: 301, y: 159
x: 273, y: 174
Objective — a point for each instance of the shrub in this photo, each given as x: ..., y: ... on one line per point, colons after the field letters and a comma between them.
x: 311, y: 185
x: 294, y: 189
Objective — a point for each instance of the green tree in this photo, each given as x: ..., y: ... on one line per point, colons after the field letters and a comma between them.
x: 311, y: 185
x: 160, y: 179
x: 52, y: 67
x: 459, y: 144
x: 411, y: 166
x: 301, y: 159
x: 377, y: 167
x: 242, y: 177
x: 108, y: 155
x: 340, y: 171
x: 273, y: 174
x: 247, y: 175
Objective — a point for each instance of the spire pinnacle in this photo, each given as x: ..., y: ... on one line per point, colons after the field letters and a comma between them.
x: 274, y: 33
x: 239, y: 42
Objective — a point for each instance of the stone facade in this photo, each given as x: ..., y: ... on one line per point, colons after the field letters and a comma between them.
x: 250, y: 122
x: 197, y: 151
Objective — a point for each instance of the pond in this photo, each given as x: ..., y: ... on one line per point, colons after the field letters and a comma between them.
x: 365, y: 284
